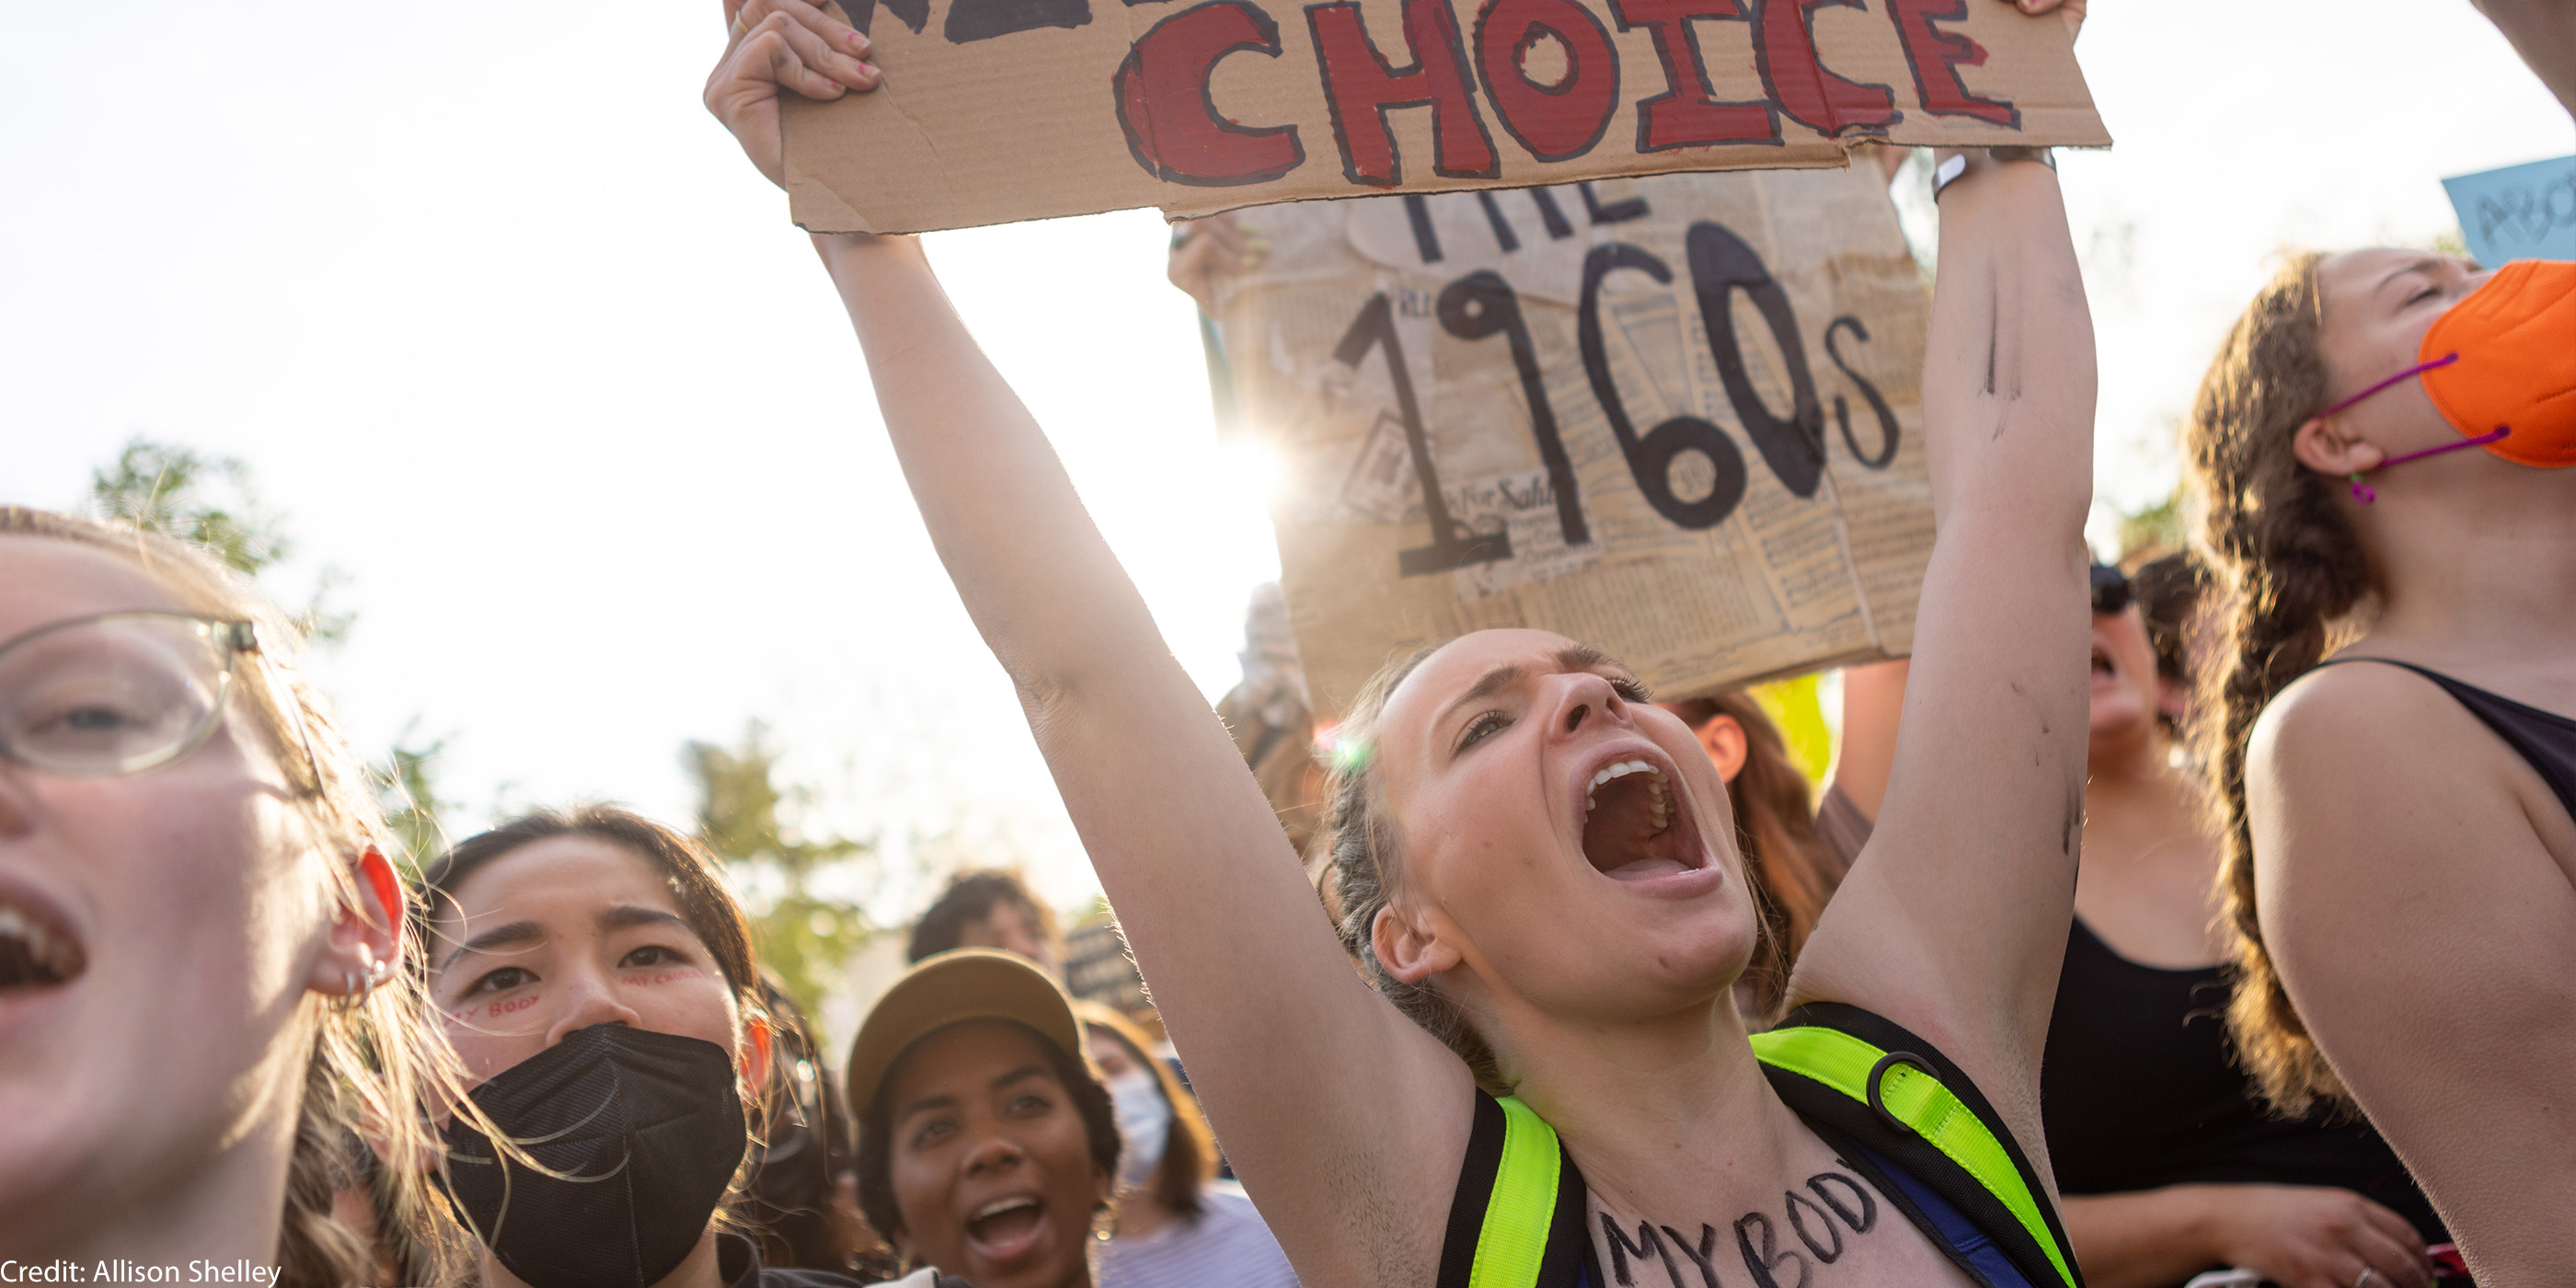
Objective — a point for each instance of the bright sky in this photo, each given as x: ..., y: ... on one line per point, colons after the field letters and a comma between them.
x: 510, y: 332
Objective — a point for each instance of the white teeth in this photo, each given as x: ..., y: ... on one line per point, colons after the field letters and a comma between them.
x: 999, y: 1206
x: 1656, y: 791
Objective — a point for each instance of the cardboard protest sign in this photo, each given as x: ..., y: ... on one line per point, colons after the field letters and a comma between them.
x: 2518, y: 212
x: 1676, y: 418
x: 1000, y: 110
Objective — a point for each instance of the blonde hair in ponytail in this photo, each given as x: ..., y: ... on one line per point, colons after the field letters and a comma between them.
x: 2293, y: 572
x: 375, y: 1063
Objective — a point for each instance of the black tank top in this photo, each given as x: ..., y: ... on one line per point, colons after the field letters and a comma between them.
x: 2138, y: 1091
x: 2546, y: 739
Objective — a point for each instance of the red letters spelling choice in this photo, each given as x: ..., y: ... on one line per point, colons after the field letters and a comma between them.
x: 1176, y: 132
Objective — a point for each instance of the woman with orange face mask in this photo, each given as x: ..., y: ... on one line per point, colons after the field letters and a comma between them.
x: 2384, y: 446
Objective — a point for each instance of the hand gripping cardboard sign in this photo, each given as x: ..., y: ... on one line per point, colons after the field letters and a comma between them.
x: 1676, y: 418
x: 999, y: 110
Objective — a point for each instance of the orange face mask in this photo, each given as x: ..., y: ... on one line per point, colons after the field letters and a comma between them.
x: 2501, y: 367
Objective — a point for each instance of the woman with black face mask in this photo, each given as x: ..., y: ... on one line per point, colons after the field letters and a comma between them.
x: 598, y: 982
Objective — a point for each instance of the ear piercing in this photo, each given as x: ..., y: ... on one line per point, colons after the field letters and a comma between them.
x: 356, y: 985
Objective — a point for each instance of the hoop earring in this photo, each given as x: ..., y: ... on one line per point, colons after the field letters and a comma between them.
x: 356, y: 987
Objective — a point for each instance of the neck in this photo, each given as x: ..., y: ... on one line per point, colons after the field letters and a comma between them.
x: 2484, y: 571
x: 2135, y: 802
x: 1678, y: 1103
x: 696, y: 1270
x: 225, y: 1212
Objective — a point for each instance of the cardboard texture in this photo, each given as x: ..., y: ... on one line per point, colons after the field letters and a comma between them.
x: 1677, y: 418
x: 999, y: 110
x: 2518, y: 212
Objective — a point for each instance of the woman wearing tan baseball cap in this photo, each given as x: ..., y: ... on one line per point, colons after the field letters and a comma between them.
x: 988, y: 1148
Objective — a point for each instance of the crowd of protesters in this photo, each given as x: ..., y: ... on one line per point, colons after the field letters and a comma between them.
x: 2218, y: 918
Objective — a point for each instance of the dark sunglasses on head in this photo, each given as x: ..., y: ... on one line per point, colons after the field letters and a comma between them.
x: 2110, y: 589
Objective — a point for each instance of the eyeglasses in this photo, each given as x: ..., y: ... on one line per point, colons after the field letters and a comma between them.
x: 2110, y: 589
x: 119, y: 693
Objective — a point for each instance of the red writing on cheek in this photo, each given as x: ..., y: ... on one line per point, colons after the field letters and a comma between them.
x: 496, y: 1010
x: 662, y: 977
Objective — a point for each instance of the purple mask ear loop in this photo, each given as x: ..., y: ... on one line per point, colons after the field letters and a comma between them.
x: 2362, y: 491
x: 2408, y: 374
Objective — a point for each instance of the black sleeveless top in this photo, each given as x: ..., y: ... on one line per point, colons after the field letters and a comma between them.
x: 2545, y: 739
x: 2138, y: 1090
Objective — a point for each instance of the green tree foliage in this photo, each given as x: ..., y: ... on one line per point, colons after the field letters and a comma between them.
x: 805, y: 933
x: 406, y: 785
x: 2155, y: 529
x: 171, y: 489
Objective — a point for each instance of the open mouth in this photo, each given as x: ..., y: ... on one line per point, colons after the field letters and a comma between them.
x: 1007, y: 1228
x: 34, y: 952
x: 1633, y: 828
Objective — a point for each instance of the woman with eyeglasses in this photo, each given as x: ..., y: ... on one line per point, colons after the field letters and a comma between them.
x: 204, y: 994
x: 598, y: 982
x: 1537, y: 1074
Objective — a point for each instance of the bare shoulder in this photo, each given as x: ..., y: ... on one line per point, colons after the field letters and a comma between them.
x: 2371, y: 720
x: 2358, y: 697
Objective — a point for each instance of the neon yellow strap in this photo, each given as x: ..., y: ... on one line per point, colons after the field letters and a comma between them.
x: 1523, y: 1207
x: 1916, y: 1098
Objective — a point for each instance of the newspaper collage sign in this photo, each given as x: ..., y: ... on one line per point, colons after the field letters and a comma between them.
x: 1677, y: 418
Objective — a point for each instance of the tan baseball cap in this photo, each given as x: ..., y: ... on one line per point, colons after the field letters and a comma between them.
x: 950, y: 988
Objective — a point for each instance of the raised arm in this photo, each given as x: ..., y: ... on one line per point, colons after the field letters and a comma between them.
x: 1346, y: 1121
x: 1954, y: 921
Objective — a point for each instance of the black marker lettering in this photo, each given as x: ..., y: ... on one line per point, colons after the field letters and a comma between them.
x: 1877, y: 403
x: 1417, y: 209
x: 1617, y: 212
x: 1503, y: 234
x: 1550, y: 216
x: 1798, y: 1222
x: 1762, y: 1264
x: 1480, y: 304
x: 1707, y: 1249
x: 1650, y: 457
x: 1452, y: 545
x: 1861, y: 1214
x: 1621, y: 1249
x: 1721, y: 264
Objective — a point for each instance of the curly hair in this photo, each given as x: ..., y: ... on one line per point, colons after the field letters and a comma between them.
x: 2293, y: 571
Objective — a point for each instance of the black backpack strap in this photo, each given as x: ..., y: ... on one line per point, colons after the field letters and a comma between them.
x: 1518, y: 1218
x: 1867, y: 1080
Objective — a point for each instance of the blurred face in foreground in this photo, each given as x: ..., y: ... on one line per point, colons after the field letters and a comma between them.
x: 991, y: 1167
x: 1562, y: 837
x: 158, y: 935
